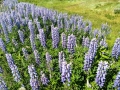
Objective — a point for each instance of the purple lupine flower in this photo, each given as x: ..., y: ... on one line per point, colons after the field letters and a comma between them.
x: 117, y: 81
x: 3, y: 85
x: 64, y: 71
x: 101, y: 73
x: 93, y: 47
x: 61, y: 59
x: 25, y: 53
x: 90, y: 55
x: 33, y: 78
x: 116, y: 49
x: 37, y: 56
x: 88, y: 61
x: 32, y: 41
x: 21, y: 36
x: 2, y: 45
x: 13, y: 67
x: 85, y: 42
x: 42, y: 37
x: 55, y: 36
x: 44, y: 79
x: 64, y: 40
x: 71, y: 43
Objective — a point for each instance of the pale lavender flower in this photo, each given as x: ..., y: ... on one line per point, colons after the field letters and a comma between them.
x: 13, y: 67
x: 101, y: 73
x: 55, y: 36
x: 71, y: 43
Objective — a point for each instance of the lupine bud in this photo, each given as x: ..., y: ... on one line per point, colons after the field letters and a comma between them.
x: 64, y: 40
x: 37, y: 56
x: 21, y: 36
x: 13, y: 67
x: 2, y: 84
x: 33, y: 78
x: 101, y: 73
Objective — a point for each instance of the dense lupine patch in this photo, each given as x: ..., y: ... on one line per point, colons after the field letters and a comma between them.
x: 101, y: 73
x: 25, y: 22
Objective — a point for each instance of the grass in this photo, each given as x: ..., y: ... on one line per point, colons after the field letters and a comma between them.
x: 97, y: 11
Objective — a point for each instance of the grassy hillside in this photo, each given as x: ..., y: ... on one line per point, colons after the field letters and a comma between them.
x: 97, y: 11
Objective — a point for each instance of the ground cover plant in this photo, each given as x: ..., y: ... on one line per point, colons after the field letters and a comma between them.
x: 43, y: 49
